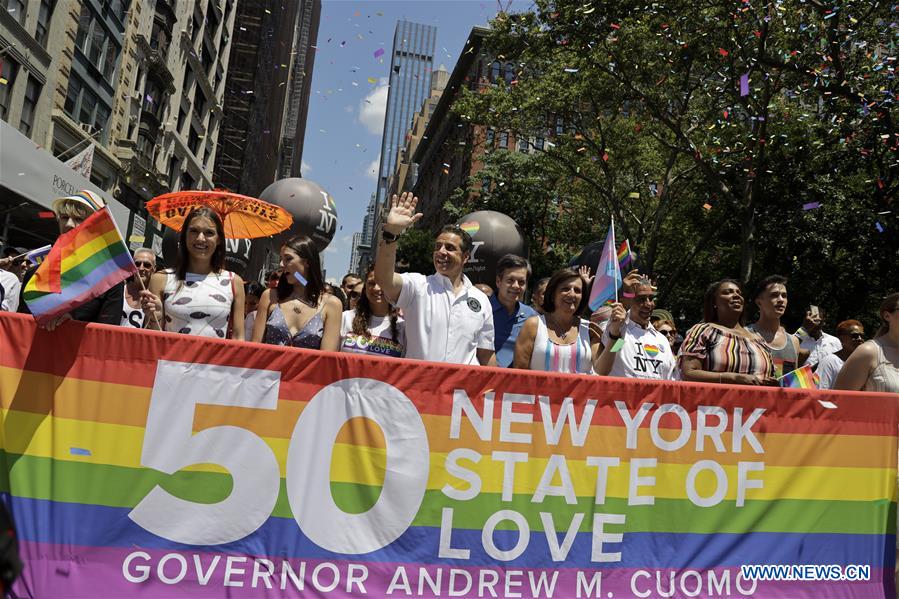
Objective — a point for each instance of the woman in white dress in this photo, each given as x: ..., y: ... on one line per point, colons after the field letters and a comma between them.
x: 198, y: 296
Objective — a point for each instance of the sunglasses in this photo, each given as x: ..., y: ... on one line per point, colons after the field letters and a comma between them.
x: 144, y: 263
x: 668, y: 333
x: 354, y: 295
x: 855, y: 335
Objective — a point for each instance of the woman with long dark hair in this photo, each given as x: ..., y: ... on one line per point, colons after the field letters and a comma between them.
x: 559, y: 340
x: 297, y: 312
x: 720, y: 349
x: 373, y: 328
x: 198, y: 296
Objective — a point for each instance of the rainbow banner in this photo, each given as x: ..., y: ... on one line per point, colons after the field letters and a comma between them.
x: 82, y: 264
x: 160, y: 465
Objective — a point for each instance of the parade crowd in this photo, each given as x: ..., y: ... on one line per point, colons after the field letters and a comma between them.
x: 442, y: 317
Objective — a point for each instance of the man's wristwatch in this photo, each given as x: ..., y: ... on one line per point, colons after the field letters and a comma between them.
x: 388, y: 237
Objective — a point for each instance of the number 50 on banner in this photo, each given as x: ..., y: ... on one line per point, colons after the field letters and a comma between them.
x: 169, y: 446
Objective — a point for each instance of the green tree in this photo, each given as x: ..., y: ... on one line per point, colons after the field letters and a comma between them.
x: 705, y: 128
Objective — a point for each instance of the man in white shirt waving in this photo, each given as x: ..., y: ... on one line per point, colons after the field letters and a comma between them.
x: 447, y: 318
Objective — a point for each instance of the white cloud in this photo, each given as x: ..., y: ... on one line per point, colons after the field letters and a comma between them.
x: 371, y: 171
x: 348, y: 109
x: 331, y: 249
x: 373, y: 107
x: 305, y: 168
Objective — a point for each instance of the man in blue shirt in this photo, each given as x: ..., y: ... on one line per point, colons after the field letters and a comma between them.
x: 509, y: 314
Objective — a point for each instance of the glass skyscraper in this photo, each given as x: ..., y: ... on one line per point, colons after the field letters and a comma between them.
x: 410, y: 83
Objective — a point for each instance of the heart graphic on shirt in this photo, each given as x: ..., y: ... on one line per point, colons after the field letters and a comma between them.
x: 651, y: 350
x: 470, y: 227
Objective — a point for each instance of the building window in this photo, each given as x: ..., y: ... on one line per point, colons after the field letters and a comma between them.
x: 560, y: 126
x: 29, y: 107
x: 97, y: 43
x: 8, y: 70
x: 495, y: 70
x: 187, y: 182
x: 491, y: 138
x: 193, y: 141
x: 509, y: 72
x: 43, y: 22
x: 15, y: 9
x: 503, y: 139
x: 523, y: 144
x: 538, y: 143
x: 181, y: 116
x: 84, y: 106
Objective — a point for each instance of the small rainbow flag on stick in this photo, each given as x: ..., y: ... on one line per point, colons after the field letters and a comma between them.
x: 625, y: 256
x: 82, y: 264
x: 801, y: 378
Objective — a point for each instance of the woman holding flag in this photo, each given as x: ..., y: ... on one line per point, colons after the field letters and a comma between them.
x: 198, y: 296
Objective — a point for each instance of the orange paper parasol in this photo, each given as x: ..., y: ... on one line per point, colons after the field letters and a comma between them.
x: 244, y: 217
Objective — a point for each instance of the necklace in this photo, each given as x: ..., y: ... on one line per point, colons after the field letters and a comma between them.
x: 297, y: 308
x: 555, y: 328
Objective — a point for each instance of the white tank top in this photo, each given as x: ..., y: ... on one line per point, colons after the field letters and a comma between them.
x: 131, y: 317
x: 551, y: 357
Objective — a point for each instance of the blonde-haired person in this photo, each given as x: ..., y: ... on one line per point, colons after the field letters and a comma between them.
x: 106, y: 308
x: 874, y: 366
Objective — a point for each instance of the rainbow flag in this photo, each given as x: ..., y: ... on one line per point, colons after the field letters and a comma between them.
x: 608, y: 274
x: 625, y: 256
x: 116, y: 442
x: 82, y: 264
x: 801, y: 378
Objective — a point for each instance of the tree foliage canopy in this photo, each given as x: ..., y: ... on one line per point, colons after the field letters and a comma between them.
x: 726, y: 139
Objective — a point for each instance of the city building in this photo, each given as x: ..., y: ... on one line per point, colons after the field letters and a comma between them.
x: 451, y: 150
x: 134, y: 87
x: 354, y: 253
x: 411, y: 62
x: 362, y: 248
x: 404, y: 177
x: 267, y: 94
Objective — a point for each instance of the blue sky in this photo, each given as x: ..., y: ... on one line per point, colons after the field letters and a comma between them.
x: 346, y: 110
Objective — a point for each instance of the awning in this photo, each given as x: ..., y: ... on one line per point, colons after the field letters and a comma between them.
x: 34, y: 174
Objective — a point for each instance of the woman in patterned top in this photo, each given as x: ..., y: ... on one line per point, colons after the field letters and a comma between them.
x: 298, y: 312
x: 720, y: 349
x: 198, y: 296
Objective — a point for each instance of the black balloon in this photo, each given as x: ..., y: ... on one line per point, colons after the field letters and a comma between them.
x: 237, y: 254
x: 589, y: 256
x: 313, y: 209
x: 494, y: 235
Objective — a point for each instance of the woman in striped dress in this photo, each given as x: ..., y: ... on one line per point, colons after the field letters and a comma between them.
x: 720, y: 349
x: 559, y: 340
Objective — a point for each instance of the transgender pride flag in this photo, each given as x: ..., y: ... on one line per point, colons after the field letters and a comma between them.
x: 608, y: 273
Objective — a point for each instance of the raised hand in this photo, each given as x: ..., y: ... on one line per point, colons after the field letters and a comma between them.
x: 616, y: 321
x: 584, y: 271
x: 402, y: 213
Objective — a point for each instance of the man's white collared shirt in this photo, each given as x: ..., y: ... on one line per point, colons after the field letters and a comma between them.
x: 441, y: 326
